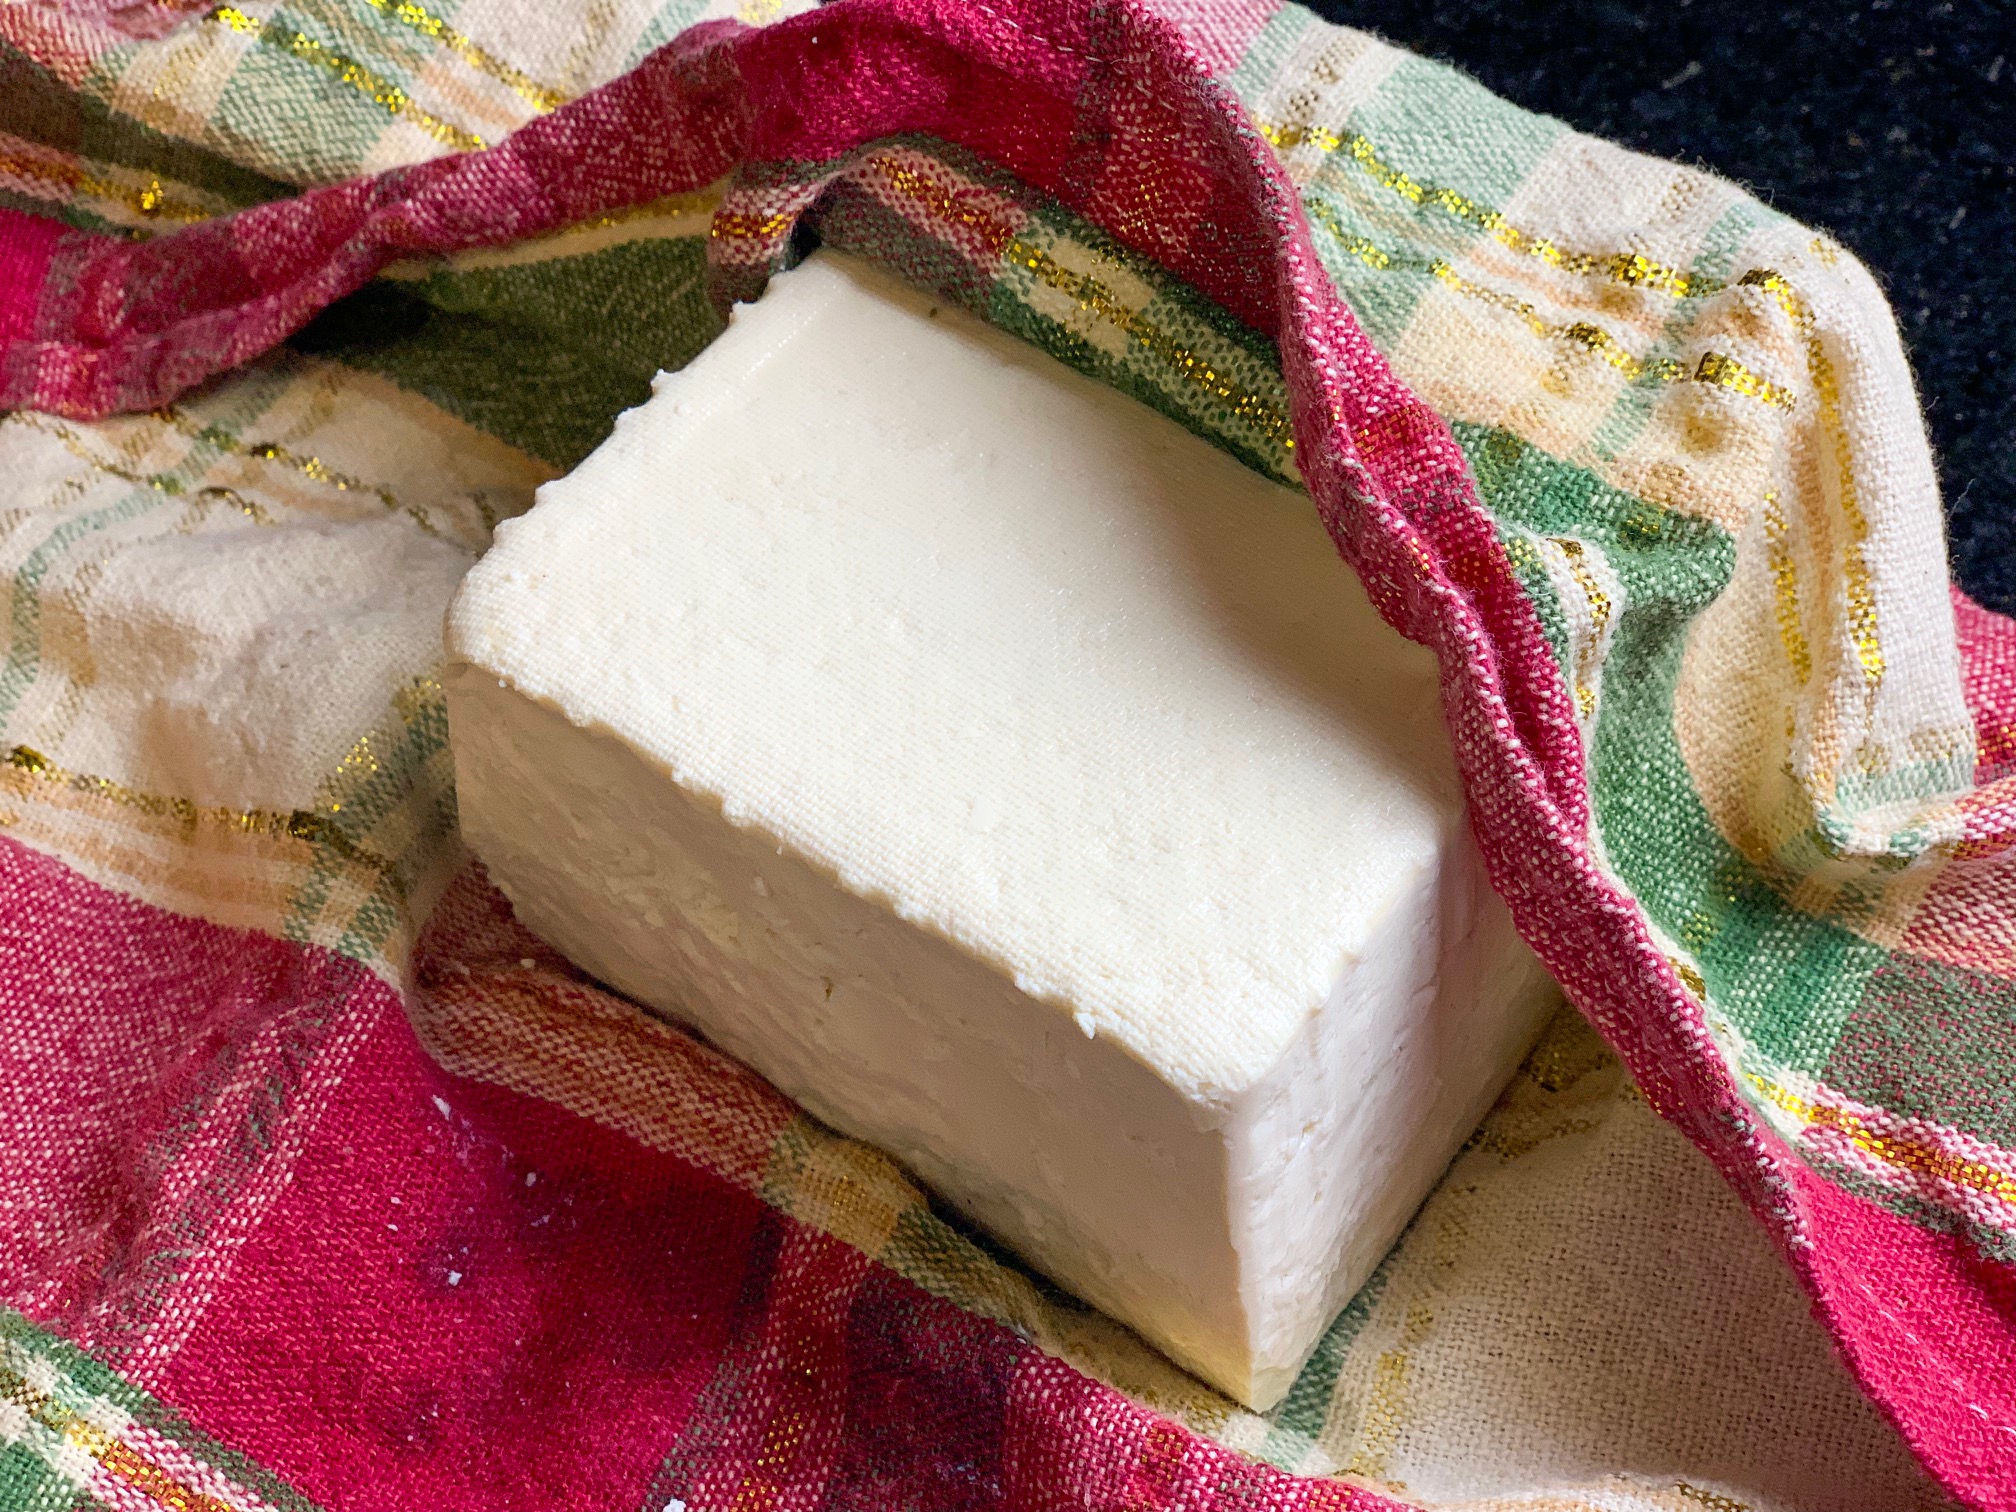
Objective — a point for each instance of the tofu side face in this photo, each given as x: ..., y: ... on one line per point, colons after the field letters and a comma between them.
x: 880, y: 661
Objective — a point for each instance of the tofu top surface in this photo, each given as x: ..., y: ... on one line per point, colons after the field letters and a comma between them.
x: 1000, y: 648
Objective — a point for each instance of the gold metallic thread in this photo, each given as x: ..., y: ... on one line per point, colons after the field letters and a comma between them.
x: 114, y: 1454
x: 1715, y: 368
x: 390, y: 97
x: 1718, y: 368
x: 421, y: 696
x: 1367, y: 253
x: 1630, y: 268
x: 1893, y: 1149
x: 166, y: 484
x: 942, y: 202
x: 740, y: 225
x: 541, y: 97
x: 1599, y: 618
x: 1595, y: 338
x: 150, y: 201
x: 1784, y: 579
x: 359, y: 764
x: 1197, y: 370
x: 1861, y: 593
x: 298, y: 824
x: 693, y: 202
x: 1093, y: 297
x: 310, y: 467
x: 1633, y: 269
x: 1714, y: 1501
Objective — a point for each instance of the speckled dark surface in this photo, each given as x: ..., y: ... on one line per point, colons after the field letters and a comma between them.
x: 1892, y: 124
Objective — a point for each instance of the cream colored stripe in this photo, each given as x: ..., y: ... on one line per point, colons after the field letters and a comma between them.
x: 672, y: 218
x: 541, y: 97
x: 382, y: 92
x: 1631, y: 268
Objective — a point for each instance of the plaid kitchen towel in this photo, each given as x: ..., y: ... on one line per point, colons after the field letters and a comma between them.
x: 325, y: 1185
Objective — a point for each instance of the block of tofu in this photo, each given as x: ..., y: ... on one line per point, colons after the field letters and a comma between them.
x: 1018, y: 782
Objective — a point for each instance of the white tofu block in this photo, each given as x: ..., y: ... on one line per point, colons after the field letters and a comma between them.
x: 1019, y: 783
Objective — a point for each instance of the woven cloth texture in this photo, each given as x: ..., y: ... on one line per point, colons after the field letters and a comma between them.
x: 326, y: 1185
x: 1889, y: 125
